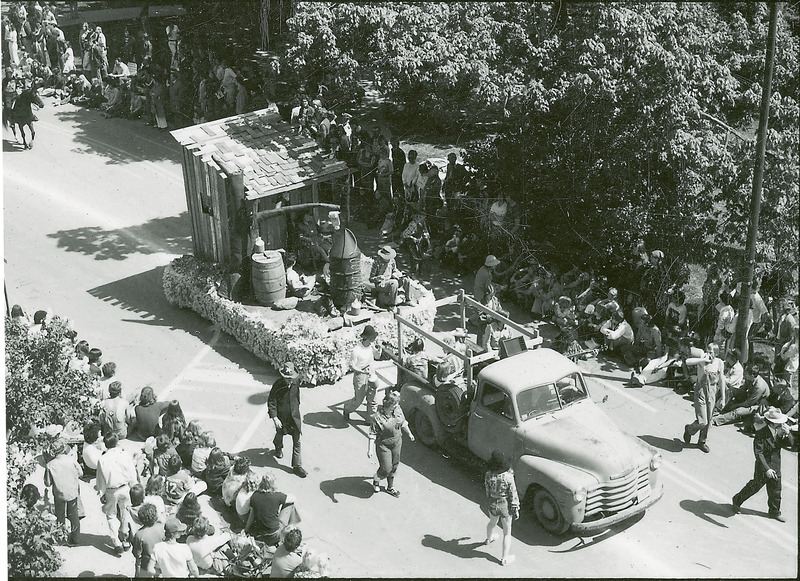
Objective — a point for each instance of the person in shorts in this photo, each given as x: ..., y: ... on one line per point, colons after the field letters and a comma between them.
x: 501, y: 490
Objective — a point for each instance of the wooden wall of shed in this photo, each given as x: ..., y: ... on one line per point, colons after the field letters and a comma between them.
x: 276, y: 231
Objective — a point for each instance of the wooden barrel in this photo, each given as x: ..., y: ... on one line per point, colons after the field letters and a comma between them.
x: 269, y: 277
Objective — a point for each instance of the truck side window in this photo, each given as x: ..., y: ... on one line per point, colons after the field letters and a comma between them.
x: 497, y: 401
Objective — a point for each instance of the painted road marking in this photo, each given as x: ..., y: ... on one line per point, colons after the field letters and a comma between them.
x: 215, y: 417
x: 178, y: 379
x: 257, y: 421
x: 240, y: 377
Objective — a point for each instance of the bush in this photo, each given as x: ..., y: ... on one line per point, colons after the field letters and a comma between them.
x: 31, y: 542
x: 40, y: 390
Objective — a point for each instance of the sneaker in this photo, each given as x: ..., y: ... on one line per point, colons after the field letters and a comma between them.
x: 300, y: 472
x: 507, y: 560
x: 490, y: 540
x: 393, y: 491
x: 118, y: 550
x: 376, y: 487
x: 687, y: 437
x: 704, y: 447
x: 777, y: 516
x: 279, y: 452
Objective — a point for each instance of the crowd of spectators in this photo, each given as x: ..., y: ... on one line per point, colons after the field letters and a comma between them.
x: 148, y: 466
x: 123, y: 76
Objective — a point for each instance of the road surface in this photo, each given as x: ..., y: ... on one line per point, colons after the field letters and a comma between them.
x: 94, y: 212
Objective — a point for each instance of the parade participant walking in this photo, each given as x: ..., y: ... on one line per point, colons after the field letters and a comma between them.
x: 63, y: 473
x: 386, y: 439
x: 283, y: 404
x: 710, y: 383
x: 767, y: 450
x: 116, y: 473
x: 365, y: 384
x: 501, y: 490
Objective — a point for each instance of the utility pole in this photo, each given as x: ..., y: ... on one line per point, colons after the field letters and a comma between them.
x: 758, y: 178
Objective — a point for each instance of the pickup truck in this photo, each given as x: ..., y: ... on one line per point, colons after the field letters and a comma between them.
x: 574, y: 468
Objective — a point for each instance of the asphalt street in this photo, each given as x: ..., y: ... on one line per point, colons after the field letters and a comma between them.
x: 91, y: 216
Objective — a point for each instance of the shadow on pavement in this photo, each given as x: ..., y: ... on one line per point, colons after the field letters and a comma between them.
x: 265, y: 458
x: 84, y: 574
x: 666, y: 444
x: 12, y: 146
x: 104, y: 244
x: 355, y: 486
x: 458, y: 548
x: 100, y: 542
x: 95, y: 133
x: 705, y: 509
x: 331, y: 419
x: 463, y: 474
x: 142, y: 294
x: 612, y: 531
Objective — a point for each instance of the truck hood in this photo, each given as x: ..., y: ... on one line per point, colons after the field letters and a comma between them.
x: 584, y: 437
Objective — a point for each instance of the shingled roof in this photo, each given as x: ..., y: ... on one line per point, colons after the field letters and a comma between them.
x: 273, y: 159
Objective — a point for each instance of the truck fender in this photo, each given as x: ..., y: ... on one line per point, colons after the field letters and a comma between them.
x: 415, y: 398
x: 559, y: 480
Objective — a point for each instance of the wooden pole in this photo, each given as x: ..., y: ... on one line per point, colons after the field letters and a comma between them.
x: 758, y: 177
x: 260, y: 216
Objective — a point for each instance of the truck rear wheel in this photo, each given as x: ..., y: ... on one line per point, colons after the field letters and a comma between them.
x: 422, y: 428
x: 546, y: 510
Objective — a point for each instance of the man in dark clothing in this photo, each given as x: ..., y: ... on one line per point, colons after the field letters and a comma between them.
x: 283, y: 404
x: 767, y: 449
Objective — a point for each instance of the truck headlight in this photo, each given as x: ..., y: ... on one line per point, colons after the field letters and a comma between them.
x: 655, y: 461
x: 580, y: 494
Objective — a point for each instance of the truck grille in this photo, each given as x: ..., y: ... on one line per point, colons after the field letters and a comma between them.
x: 618, y: 494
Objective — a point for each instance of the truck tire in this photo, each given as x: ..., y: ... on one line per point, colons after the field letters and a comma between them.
x: 450, y: 407
x: 546, y: 511
x: 422, y: 427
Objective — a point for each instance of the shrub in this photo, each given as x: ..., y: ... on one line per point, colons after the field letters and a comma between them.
x: 40, y: 390
x: 31, y: 542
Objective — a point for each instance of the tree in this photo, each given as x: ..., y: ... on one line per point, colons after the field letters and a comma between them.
x: 626, y: 132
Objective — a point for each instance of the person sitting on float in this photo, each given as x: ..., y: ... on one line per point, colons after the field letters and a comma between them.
x: 297, y: 285
x: 385, y: 278
x: 311, y: 240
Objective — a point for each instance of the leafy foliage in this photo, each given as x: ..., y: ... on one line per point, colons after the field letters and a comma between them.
x: 31, y: 542
x: 40, y: 390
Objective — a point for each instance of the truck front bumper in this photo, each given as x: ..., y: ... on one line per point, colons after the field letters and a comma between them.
x: 588, y: 528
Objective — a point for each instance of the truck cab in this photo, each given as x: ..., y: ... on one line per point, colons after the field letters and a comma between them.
x: 571, y: 463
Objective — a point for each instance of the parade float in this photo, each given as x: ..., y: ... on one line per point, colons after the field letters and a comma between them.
x: 247, y: 180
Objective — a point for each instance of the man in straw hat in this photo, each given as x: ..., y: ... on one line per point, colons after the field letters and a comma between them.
x: 384, y: 278
x: 365, y: 383
x: 767, y: 450
x: 283, y: 404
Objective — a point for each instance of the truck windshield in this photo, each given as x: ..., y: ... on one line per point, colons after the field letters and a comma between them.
x: 550, y: 396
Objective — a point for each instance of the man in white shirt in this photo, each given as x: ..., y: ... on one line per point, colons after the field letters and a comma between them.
x: 365, y: 383
x: 621, y: 334
x: 116, y: 473
x: 120, y: 69
x: 171, y: 558
x: 410, y: 175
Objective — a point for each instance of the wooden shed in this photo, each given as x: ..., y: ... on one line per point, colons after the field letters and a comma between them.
x: 256, y: 161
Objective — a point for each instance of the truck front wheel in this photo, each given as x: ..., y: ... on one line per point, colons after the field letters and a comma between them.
x: 422, y: 428
x: 545, y: 509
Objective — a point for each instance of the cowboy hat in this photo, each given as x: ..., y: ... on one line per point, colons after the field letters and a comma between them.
x: 288, y: 371
x: 491, y: 260
x: 775, y: 416
x: 369, y: 332
x: 387, y: 252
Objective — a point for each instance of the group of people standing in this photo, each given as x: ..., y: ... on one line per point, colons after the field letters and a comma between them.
x: 149, y: 466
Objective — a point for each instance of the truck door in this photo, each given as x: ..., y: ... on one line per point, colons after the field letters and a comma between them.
x: 492, y: 422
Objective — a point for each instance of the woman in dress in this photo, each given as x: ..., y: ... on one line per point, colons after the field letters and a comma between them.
x: 501, y: 490
x: 158, y: 96
x: 386, y: 438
